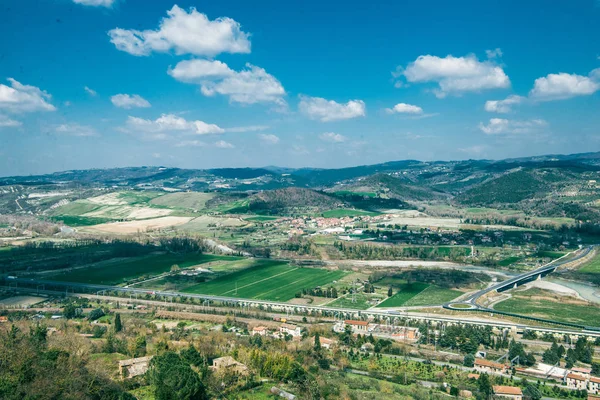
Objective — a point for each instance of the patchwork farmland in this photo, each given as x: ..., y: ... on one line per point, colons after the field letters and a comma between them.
x: 270, y: 280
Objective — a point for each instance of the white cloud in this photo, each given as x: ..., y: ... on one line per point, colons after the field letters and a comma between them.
x: 75, y: 130
x: 224, y: 145
x: 299, y: 150
x: 404, y: 108
x: 475, y: 150
x: 95, y: 3
x: 332, y: 137
x: 251, y: 128
x: 91, y: 92
x: 501, y: 126
x: 268, y: 138
x: 184, y: 33
x: 248, y: 86
x: 129, y: 101
x: 170, y: 123
x: 503, y: 106
x: 496, y: 53
x: 564, y: 86
x: 190, y: 143
x: 455, y: 75
x: 24, y: 98
x: 328, y: 110
x: 6, y: 122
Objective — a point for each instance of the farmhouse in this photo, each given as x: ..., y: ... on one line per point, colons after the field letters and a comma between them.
x: 260, y: 330
x: 491, y: 367
x: 406, y: 333
x: 575, y: 381
x: 326, y: 343
x: 508, y: 392
x: 289, y: 329
x: 223, y: 364
x: 3, y: 319
x: 358, y: 326
x: 134, y: 366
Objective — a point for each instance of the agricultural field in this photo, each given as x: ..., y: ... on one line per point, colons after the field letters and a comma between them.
x: 361, y: 301
x: 433, y: 295
x: 261, y: 218
x: 270, y: 280
x: 183, y: 200
x: 544, y: 304
x: 343, y: 212
x: 119, y: 271
x: 402, y: 296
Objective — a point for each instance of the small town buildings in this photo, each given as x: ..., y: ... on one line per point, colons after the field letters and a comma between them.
x: 406, y: 333
x: 134, y: 366
x: 593, y: 397
x: 260, y: 330
x: 490, y: 367
x: 228, y: 363
x: 508, y: 392
x: 289, y: 329
x: 326, y: 343
x: 594, y: 385
x: 361, y: 327
x: 576, y: 381
x: 585, y: 372
x: 3, y: 319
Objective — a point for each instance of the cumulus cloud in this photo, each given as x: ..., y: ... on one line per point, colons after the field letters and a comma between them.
x: 89, y: 91
x: 501, y: 126
x: 328, y: 110
x: 224, y: 145
x: 497, y: 52
x: 184, y: 33
x: 6, y: 122
x: 129, y: 101
x: 564, y: 86
x: 168, y: 123
x: 455, y: 75
x: 268, y: 138
x: 332, y: 137
x: 403, y: 108
x: 24, y: 98
x: 248, y: 86
x: 95, y: 3
x: 503, y: 106
x: 75, y: 130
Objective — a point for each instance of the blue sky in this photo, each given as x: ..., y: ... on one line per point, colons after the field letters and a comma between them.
x: 107, y: 83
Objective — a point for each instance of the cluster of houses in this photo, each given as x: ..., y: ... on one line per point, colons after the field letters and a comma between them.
x: 577, y: 378
x: 280, y: 333
x: 298, y: 226
x: 399, y: 333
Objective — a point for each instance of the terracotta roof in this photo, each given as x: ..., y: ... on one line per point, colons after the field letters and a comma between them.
x: 594, y: 379
x: 593, y: 396
x: 508, y: 390
x: 325, y: 340
x: 289, y: 326
x: 259, y: 328
x: 582, y: 370
x: 488, y: 363
x: 355, y: 322
x: 473, y: 376
x: 576, y: 377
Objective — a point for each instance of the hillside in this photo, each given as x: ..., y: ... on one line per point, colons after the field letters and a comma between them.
x: 288, y: 200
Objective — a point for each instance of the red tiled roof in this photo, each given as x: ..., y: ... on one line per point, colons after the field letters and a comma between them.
x: 576, y: 377
x: 508, y: 390
x: 595, y: 379
x: 488, y: 363
x: 355, y: 322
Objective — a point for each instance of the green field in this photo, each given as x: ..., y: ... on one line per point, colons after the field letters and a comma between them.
x: 74, y: 220
x: 261, y: 218
x: 183, y: 200
x: 508, y: 261
x: 270, y: 280
x: 139, y: 197
x: 588, y: 315
x: 402, y: 296
x: 361, y: 302
x: 433, y: 295
x: 345, y: 212
x: 593, y: 267
x: 117, y: 272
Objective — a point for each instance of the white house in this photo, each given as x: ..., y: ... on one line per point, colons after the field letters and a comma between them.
x: 575, y: 381
x: 289, y: 329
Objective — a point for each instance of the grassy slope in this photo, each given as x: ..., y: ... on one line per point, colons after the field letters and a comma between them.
x: 593, y: 267
x: 186, y: 200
